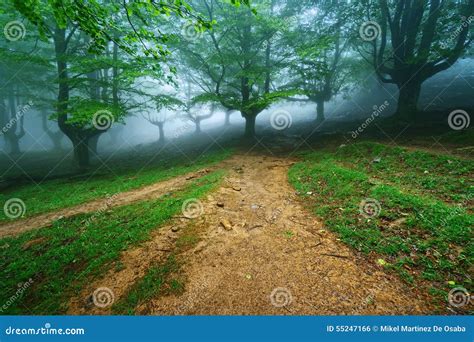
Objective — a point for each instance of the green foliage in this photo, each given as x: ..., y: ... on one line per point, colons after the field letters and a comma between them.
x: 166, y: 101
x: 321, y: 66
x: 103, y: 22
x: 82, y: 112
x: 260, y: 103
x: 232, y: 59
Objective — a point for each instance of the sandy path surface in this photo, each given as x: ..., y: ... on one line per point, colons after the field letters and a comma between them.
x: 261, y: 253
x: 152, y: 191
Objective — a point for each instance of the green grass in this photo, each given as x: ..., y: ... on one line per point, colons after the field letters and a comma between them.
x: 161, y: 278
x: 424, y: 229
x: 63, y: 193
x: 157, y: 280
x: 64, y: 257
x: 445, y: 177
x: 463, y: 138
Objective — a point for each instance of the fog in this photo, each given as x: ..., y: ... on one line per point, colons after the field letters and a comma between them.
x: 160, y: 109
x: 445, y: 90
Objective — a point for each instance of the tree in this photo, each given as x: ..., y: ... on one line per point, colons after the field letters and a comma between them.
x: 228, y: 113
x: 99, y: 23
x: 24, y: 75
x: 163, y: 103
x: 80, y: 120
x: 321, y: 66
x: 158, y: 120
x: 189, y: 104
x: 56, y: 136
x: 13, y: 113
x: 410, y: 41
x: 196, y: 118
x: 234, y: 63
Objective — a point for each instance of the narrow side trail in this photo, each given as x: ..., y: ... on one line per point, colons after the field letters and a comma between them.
x: 261, y: 253
x: 141, y: 194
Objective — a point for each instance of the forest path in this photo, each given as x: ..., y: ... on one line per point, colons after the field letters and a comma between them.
x: 260, y: 253
x: 123, y: 198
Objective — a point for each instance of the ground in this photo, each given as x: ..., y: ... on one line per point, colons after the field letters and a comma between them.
x: 258, y: 241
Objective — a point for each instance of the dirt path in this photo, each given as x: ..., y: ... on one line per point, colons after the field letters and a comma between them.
x: 124, y: 198
x: 276, y: 258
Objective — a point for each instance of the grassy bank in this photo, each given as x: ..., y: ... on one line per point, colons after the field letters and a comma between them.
x: 63, y: 193
x: 408, y: 211
x: 61, y: 259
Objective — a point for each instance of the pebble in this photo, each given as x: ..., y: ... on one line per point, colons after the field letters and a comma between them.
x: 226, y: 224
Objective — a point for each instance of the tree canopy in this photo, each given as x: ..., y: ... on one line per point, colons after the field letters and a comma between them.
x: 92, y: 64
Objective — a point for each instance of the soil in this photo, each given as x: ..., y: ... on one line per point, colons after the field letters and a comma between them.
x: 261, y: 252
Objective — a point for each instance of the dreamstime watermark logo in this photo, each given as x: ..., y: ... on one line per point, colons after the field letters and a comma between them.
x: 181, y: 130
x: 369, y: 31
x: 459, y: 119
x: 192, y: 208
x: 46, y: 330
x: 199, y: 293
x: 281, y: 297
x: 190, y: 32
x: 22, y: 287
x: 377, y: 110
x: 370, y: 208
x: 456, y: 212
x: 465, y: 23
x: 459, y: 297
x: 280, y: 120
x: 14, y: 30
x: 21, y: 111
x: 103, y: 297
x: 108, y: 202
x: 103, y: 120
x: 14, y: 208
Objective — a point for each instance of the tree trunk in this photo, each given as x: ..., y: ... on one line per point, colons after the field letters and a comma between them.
x: 250, y: 126
x: 320, y: 111
x: 115, y: 74
x: 115, y: 133
x: 3, y: 119
x: 56, y: 139
x: 105, y: 77
x: 408, y: 97
x: 93, y: 143
x: 198, y: 126
x: 161, y: 140
x: 3, y: 114
x: 11, y: 135
x: 14, y: 144
x: 62, y: 107
x: 227, y: 118
x: 81, y: 152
